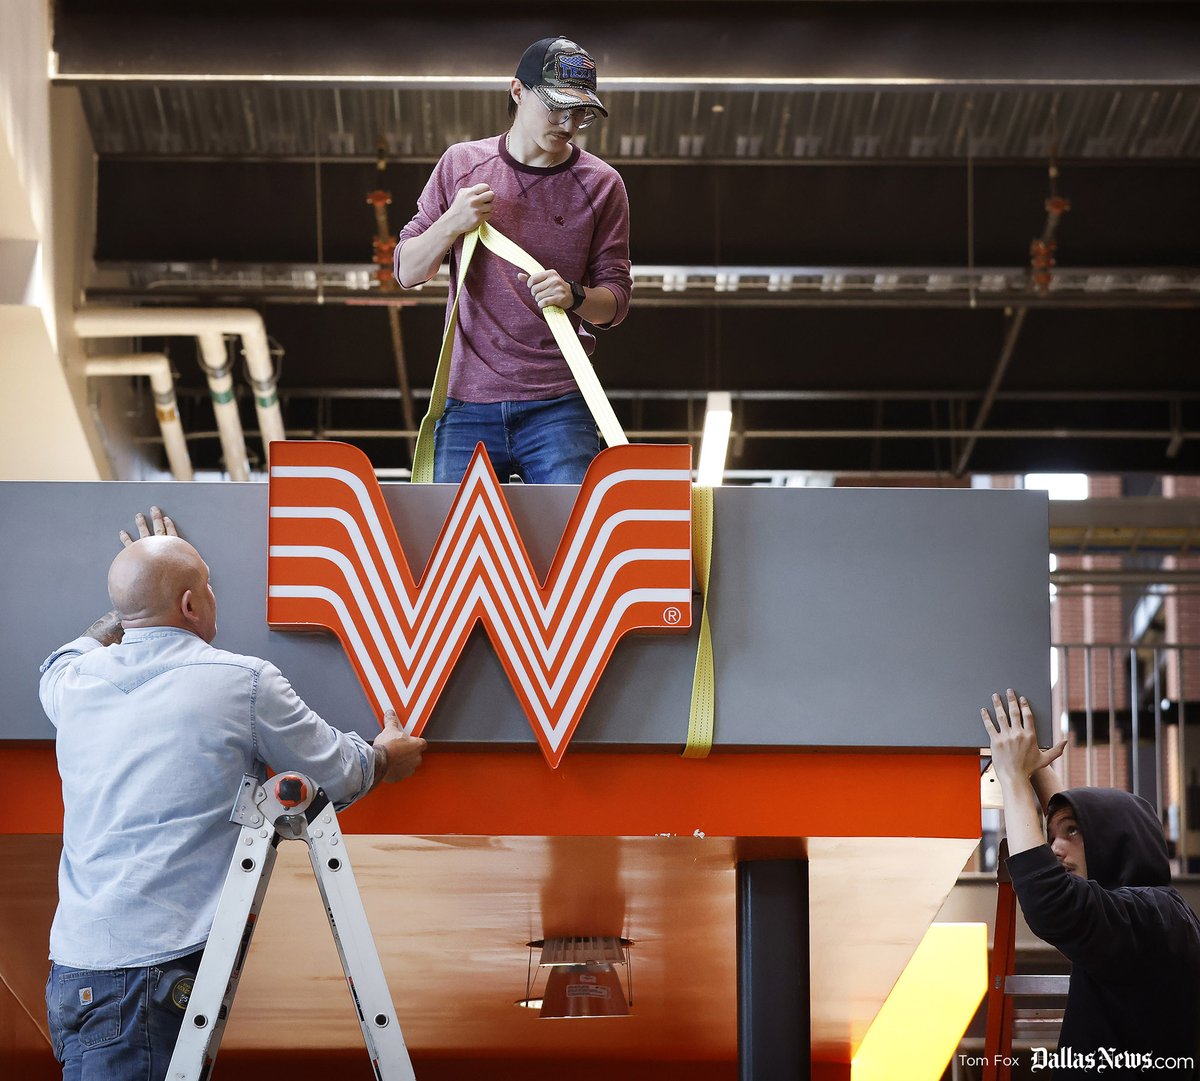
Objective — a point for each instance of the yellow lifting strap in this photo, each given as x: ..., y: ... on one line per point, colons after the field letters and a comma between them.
x: 700, y: 723
x: 700, y: 719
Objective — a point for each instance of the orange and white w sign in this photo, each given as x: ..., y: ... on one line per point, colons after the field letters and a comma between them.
x: 623, y: 564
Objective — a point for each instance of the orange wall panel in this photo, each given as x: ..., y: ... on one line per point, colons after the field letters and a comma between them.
x: 513, y: 793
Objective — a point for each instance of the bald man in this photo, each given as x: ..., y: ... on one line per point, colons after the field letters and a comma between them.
x: 155, y: 729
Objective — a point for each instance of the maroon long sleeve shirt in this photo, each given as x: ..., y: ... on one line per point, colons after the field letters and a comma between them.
x: 572, y: 217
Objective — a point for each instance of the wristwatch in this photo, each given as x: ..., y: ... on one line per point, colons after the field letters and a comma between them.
x: 578, y: 293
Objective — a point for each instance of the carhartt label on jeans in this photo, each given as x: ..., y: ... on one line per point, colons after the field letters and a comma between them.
x: 85, y: 996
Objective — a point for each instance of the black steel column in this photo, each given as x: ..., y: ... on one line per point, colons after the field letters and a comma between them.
x: 773, y: 990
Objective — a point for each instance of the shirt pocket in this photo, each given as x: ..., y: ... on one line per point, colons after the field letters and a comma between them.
x: 89, y: 1004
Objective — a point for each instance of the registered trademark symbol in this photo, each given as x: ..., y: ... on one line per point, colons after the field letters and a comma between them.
x: 672, y: 615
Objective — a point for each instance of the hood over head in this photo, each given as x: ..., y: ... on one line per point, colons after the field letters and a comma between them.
x: 1123, y: 841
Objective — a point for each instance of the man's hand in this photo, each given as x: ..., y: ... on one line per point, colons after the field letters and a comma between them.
x: 599, y: 305
x: 397, y: 754
x: 159, y: 524
x: 549, y: 287
x: 419, y: 257
x: 471, y: 207
x: 1018, y: 759
x: 1013, y: 737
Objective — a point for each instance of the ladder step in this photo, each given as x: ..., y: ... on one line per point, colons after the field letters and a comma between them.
x: 1039, y: 1024
x: 1037, y: 985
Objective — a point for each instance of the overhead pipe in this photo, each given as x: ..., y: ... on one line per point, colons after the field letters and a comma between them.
x: 170, y: 322
x: 1016, y: 322
x: 384, y: 245
x: 1041, y: 275
x: 208, y: 326
x: 158, y: 368
x: 218, y: 370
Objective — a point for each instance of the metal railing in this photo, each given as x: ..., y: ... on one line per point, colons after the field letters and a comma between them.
x: 1127, y: 728
x: 1128, y: 722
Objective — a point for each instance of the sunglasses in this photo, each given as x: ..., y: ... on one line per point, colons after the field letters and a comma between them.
x: 583, y: 115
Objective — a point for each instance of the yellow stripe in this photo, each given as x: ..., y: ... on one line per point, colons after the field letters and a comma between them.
x: 918, y: 1029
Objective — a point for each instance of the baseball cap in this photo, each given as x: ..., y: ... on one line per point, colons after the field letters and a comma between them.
x: 564, y: 70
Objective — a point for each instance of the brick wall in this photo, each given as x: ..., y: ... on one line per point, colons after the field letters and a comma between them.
x: 1182, y: 610
x: 1093, y: 615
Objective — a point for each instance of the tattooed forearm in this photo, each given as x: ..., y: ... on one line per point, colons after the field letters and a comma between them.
x: 107, y: 630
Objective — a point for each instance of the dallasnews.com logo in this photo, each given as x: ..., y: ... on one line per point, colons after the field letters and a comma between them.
x: 1089, y: 1063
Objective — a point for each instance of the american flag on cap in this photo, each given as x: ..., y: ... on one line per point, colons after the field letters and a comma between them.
x: 565, y: 72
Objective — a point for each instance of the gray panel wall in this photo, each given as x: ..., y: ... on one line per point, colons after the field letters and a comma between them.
x: 842, y: 617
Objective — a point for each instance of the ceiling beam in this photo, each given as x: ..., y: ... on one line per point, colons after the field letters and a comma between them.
x: 680, y: 286
x: 648, y: 44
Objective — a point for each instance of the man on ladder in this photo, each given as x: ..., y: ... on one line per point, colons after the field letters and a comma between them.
x: 1100, y: 891
x: 155, y: 730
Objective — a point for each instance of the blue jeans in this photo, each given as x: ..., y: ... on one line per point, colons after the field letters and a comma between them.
x: 117, y: 1024
x: 543, y: 442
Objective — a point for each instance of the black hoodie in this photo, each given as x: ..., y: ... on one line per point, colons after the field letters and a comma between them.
x: 1133, y: 942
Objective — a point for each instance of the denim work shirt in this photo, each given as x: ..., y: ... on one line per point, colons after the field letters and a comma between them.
x: 154, y: 735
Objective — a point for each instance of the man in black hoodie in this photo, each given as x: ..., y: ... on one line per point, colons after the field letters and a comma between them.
x: 1100, y: 891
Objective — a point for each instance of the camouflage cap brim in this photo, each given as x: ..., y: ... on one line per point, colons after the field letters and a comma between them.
x: 561, y: 97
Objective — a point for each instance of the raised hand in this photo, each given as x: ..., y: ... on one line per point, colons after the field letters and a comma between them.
x: 1013, y: 737
x: 159, y: 526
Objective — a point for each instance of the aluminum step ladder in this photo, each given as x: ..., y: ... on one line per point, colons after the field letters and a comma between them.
x: 288, y: 807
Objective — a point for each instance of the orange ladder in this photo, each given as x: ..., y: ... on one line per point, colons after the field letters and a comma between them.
x: 1004, y: 1022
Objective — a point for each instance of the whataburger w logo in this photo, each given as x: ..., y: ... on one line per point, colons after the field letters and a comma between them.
x: 623, y: 564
